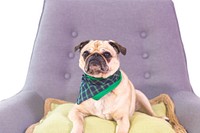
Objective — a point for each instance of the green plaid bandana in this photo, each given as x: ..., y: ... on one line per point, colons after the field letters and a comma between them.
x: 96, y: 88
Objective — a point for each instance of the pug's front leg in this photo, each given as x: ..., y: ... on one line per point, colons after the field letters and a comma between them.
x: 77, y: 119
x: 123, y: 125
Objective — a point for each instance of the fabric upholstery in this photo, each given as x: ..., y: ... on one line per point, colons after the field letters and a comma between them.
x: 155, y: 60
x: 18, y: 112
x: 148, y: 29
x: 187, y: 109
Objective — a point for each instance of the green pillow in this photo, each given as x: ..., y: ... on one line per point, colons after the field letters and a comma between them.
x: 56, y: 121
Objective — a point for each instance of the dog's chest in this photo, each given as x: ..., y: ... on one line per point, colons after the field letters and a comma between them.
x: 103, y: 108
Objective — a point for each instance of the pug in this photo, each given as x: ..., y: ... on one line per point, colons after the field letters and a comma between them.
x: 105, y: 90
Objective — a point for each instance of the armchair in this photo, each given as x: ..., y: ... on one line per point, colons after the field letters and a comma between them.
x: 155, y: 60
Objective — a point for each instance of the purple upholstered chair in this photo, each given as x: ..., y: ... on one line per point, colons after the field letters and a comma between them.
x: 155, y: 60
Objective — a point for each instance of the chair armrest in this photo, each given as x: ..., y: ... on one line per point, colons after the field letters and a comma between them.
x: 20, y: 111
x: 187, y: 107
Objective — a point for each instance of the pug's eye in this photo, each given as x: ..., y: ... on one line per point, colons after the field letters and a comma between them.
x: 85, y: 54
x: 107, y: 55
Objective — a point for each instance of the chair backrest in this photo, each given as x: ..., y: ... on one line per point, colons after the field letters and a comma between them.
x: 155, y: 60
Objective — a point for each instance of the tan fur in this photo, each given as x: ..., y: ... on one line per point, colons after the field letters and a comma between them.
x: 118, y: 105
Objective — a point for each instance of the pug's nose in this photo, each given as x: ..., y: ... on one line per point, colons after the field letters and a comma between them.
x: 96, y: 54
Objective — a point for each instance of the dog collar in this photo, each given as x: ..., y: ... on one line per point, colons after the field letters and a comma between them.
x: 96, y: 88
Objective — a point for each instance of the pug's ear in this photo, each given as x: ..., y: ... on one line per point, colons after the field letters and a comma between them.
x: 119, y: 48
x: 81, y: 45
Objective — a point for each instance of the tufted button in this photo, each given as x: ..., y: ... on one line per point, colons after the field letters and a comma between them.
x: 147, y: 75
x: 143, y: 34
x: 74, y: 34
x: 71, y: 55
x: 67, y: 76
x: 145, y: 55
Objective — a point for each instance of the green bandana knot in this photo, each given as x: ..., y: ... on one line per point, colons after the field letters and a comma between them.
x: 96, y: 88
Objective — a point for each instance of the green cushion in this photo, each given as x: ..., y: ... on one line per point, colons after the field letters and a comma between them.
x: 56, y: 121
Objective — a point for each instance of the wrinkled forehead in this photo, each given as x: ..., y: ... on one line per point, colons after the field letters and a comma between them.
x: 98, y: 46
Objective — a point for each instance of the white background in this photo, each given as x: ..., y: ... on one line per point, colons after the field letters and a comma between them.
x: 18, y: 26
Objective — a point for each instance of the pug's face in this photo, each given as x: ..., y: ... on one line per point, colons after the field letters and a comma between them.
x: 99, y: 58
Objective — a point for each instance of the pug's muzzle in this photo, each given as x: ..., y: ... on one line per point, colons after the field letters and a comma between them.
x: 96, y: 64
